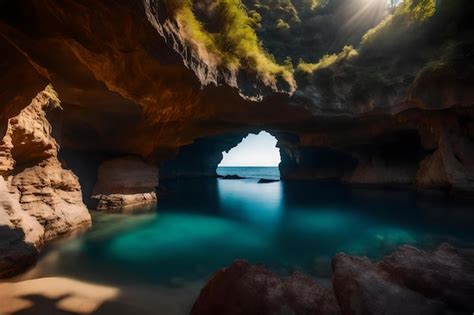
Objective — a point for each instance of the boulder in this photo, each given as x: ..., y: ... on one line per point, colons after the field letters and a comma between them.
x: 362, y: 287
x: 124, y: 183
x: 446, y: 274
x: 409, y: 281
x: 251, y: 289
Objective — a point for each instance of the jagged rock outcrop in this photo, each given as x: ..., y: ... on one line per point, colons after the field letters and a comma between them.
x: 409, y: 281
x: 125, y: 183
x: 40, y: 200
x: 451, y: 165
x: 251, y: 289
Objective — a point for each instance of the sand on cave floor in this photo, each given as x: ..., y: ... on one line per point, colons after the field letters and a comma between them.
x: 61, y: 295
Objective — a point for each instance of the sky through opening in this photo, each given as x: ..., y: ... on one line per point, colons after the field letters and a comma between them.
x: 254, y: 150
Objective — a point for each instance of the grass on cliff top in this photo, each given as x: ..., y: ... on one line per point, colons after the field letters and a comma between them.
x: 407, y: 12
x: 236, y: 44
x: 412, y: 11
x: 327, y: 60
x: 54, y: 100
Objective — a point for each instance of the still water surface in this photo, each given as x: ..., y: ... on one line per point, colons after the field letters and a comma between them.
x: 203, y: 225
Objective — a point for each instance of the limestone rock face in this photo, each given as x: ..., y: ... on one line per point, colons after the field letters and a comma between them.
x: 40, y: 200
x: 345, y: 120
x: 450, y: 166
x: 251, y: 289
x: 19, y: 234
x: 53, y: 196
x: 125, y: 182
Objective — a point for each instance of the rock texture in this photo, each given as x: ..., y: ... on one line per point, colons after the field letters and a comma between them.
x: 251, y: 289
x: 409, y: 281
x: 200, y: 158
x: 40, y: 200
x: 399, y: 112
x: 125, y: 183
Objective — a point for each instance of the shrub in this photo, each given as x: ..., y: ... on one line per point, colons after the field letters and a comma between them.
x: 236, y: 44
x: 327, y: 60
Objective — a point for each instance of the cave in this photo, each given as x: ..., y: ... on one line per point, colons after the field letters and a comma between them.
x: 117, y: 119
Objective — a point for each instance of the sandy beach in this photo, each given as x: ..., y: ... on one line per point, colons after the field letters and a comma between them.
x: 60, y: 295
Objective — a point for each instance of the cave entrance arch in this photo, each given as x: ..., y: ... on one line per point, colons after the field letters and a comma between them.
x: 257, y: 155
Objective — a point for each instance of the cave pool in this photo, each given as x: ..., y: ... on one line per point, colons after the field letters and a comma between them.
x: 201, y: 225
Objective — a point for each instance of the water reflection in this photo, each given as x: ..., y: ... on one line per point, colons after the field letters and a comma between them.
x: 203, y: 225
x: 256, y: 204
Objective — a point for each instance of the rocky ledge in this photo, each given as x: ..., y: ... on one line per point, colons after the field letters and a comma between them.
x: 409, y: 281
x: 125, y: 183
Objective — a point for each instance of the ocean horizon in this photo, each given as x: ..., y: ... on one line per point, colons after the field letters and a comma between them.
x: 266, y: 172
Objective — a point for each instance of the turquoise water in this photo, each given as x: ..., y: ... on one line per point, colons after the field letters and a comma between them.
x: 202, y: 225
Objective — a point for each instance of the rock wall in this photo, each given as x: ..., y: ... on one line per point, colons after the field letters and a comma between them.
x: 201, y: 158
x: 40, y: 199
x: 370, y: 119
x: 427, y: 150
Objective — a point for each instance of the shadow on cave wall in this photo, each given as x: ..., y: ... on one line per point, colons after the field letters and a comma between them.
x: 200, y: 159
x: 15, y: 254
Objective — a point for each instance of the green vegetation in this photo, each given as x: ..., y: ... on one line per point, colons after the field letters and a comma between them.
x: 417, y: 10
x: 314, y: 4
x: 412, y: 10
x: 327, y: 60
x: 55, y: 102
x: 282, y: 24
x: 236, y: 44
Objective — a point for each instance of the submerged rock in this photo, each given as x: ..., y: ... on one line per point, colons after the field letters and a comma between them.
x: 409, y: 281
x: 266, y: 180
x: 231, y: 177
x: 125, y: 183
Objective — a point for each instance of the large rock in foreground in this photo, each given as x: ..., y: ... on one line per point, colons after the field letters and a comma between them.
x: 251, y: 289
x: 410, y: 281
x: 125, y: 183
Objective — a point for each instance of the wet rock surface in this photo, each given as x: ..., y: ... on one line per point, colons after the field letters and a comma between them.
x: 409, y: 281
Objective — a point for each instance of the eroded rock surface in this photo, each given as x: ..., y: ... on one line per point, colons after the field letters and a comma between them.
x: 409, y: 281
x: 40, y: 199
x: 375, y: 118
x: 125, y: 183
